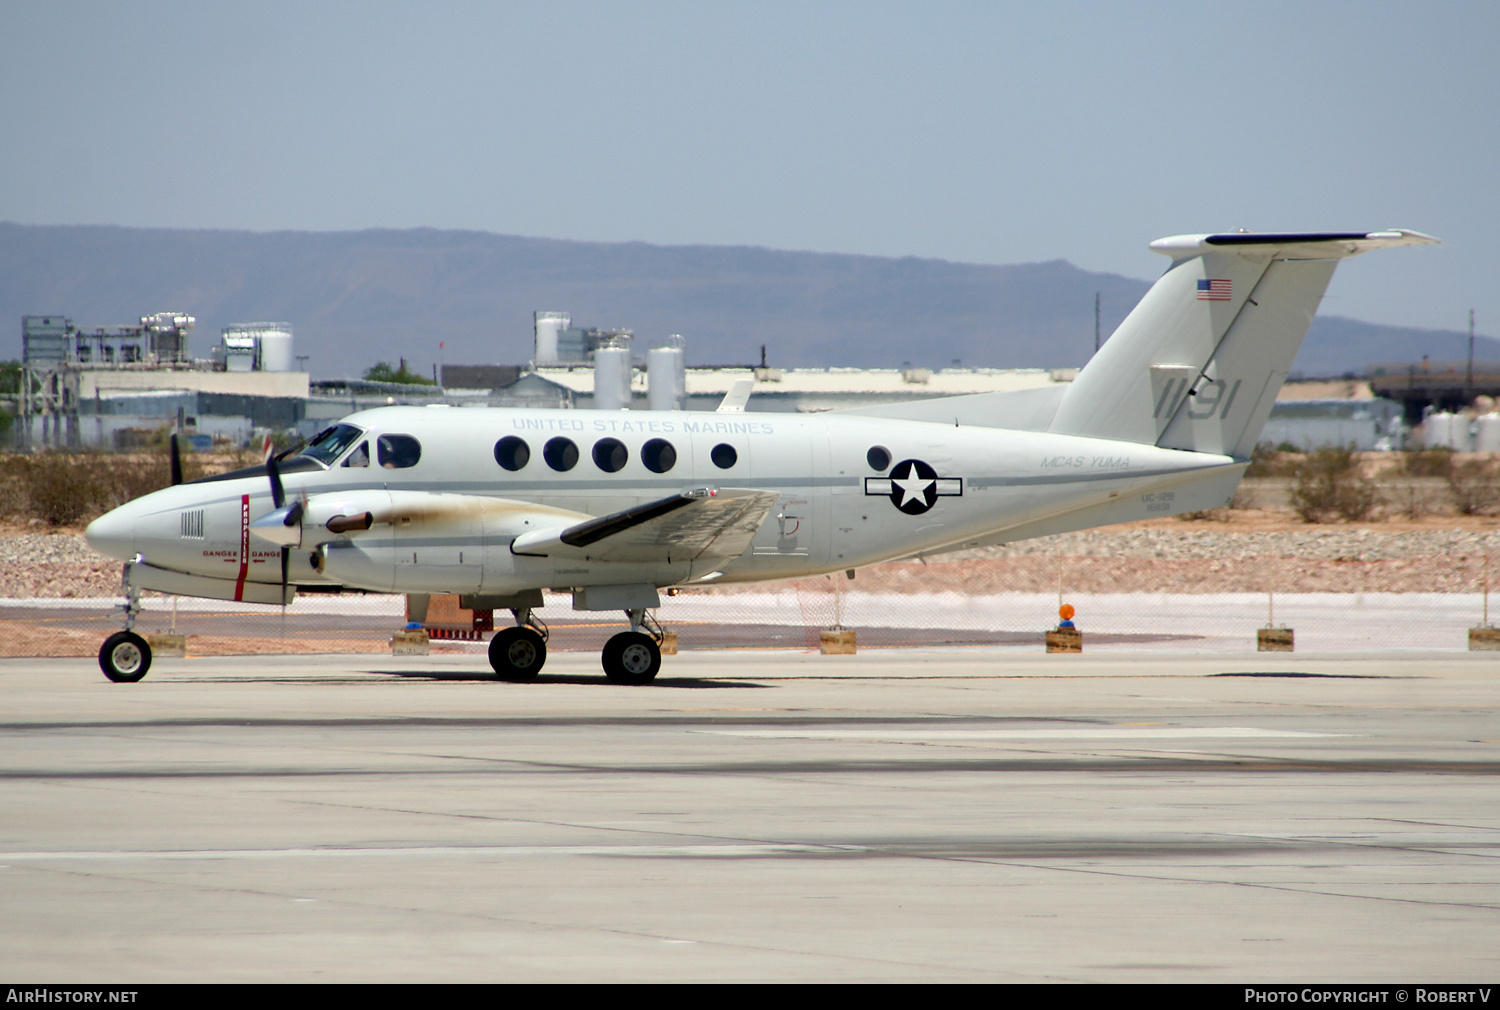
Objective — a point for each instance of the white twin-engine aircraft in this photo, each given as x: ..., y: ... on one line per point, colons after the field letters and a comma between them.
x: 497, y: 505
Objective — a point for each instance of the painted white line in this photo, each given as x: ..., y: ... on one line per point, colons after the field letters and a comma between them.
x: 735, y: 850
x: 1071, y: 733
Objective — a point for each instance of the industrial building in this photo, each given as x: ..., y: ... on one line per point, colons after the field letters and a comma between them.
x: 103, y: 387
x: 1365, y: 424
x: 114, y: 387
x: 1423, y: 387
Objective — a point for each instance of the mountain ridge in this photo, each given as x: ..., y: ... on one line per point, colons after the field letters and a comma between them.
x: 380, y: 294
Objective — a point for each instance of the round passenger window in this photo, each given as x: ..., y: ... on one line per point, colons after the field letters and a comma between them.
x: 512, y: 452
x: 397, y: 452
x: 658, y: 455
x: 610, y: 455
x: 879, y: 457
x: 724, y: 456
x: 560, y: 454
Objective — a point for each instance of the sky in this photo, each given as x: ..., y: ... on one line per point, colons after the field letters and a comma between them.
x: 972, y: 132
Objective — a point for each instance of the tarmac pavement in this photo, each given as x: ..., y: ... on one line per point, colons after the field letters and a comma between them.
x: 902, y: 814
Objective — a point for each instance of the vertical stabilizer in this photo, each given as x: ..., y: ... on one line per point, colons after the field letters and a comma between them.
x: 1198, y: 363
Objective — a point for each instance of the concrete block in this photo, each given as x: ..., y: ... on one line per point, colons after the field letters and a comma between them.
x: 1484, y: 639
x: 1274, y: 640
x: 669, y: 643
x: 1064, y: 640
x: 165, y: 646
x: 836, y: 643
x: 411, y: 643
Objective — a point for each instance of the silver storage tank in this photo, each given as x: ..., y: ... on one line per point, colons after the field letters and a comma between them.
x: 272, y: 342
x: 1487, y: 433
x: 548, y: 326
x: 612, y: 375
x: 1446, y: 431
x: 666, y: 375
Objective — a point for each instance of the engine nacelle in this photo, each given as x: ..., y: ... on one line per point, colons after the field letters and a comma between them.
x: 430, y: 542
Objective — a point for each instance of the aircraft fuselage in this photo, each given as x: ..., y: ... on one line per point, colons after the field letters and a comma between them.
x: 852, y: 491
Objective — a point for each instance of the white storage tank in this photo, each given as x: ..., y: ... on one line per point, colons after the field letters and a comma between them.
x: 548, y: 325
x: 272, y: 346
x: 612, y: 376
x: 276, y: 349
x: 1487, y: 433
x: 666, y: 375
x: 1446, y: 431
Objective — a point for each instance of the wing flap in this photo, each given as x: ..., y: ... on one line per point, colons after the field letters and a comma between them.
x: 704, y: 523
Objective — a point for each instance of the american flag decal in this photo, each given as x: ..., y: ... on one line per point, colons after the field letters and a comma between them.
x: 1213, y: 291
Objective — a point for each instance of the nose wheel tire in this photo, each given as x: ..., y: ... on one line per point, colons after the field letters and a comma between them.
x: 125, y: 657
x: 631, y: 658
x: 517, y: 654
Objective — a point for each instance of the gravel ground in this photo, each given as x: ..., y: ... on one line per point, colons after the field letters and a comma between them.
x: 54, y: 565
x: 1160, y: 556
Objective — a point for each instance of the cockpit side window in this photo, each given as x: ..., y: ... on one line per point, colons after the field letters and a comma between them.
x: 360, y: 456
x: 329, y: 445
x: 397, y: 452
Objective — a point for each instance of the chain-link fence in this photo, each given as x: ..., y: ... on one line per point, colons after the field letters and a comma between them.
x: 1150, y: 589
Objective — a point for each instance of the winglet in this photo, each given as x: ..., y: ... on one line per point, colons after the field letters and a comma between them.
x: 739, y: 394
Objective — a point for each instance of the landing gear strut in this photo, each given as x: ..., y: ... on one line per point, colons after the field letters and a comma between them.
x: 634, y: 657
x: 125, y: 657
x: 519, y: 653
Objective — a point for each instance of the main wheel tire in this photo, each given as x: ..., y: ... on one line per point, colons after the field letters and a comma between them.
x: 517, y: 654
x: 125, y: 657
x: 631, y: 658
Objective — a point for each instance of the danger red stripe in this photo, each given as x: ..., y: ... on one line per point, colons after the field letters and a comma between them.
x: 239, y: 585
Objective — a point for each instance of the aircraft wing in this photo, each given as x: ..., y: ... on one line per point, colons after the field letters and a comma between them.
x: 711, y: 523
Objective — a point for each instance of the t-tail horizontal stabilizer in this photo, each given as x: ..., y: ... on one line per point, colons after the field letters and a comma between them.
x: 1198, y: 363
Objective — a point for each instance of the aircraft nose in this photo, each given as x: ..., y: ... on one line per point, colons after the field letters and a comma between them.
x: 113, y: 534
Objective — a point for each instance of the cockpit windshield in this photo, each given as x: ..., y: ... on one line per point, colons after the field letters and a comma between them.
x: 329, y: 444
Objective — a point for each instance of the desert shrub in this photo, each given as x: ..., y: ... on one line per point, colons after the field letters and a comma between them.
x: 1218, y: 515
x: 1436, y: 462
x: 57, y: 488
x: 1476, y: 491
x: 1239, y: 501
x: 1267, y: 460
x: 1410, y: 501
x: 1329, y: 486
x: 66, y: 488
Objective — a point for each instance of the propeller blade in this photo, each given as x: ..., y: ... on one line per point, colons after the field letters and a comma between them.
x: 278, y: 493
x: 286, y: 560
x: 175, y: 452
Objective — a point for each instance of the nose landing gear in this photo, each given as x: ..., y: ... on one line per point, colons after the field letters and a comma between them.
x: 125, y: 657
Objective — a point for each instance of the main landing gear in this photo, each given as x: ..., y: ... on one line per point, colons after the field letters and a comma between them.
x: 519, y: 653
x: 125, y: 657
x: 631, y: 657
x: 634, y: 657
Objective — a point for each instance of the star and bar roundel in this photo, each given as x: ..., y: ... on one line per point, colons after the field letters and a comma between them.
x: 914, y: 487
